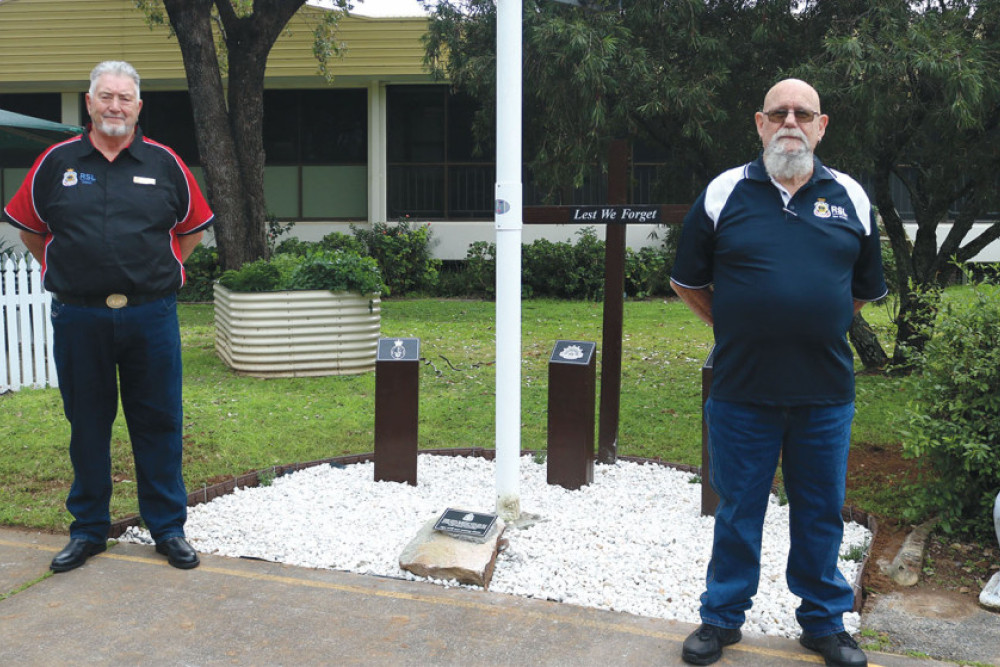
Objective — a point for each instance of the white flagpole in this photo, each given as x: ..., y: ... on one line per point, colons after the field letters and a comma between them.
x: 509, y: 222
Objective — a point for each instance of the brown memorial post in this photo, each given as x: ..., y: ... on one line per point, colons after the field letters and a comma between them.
x: 397, y: 382
x: 617, y: 215
x: 572, y: 384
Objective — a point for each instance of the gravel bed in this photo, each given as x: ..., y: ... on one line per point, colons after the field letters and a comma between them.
x: 633, y: 541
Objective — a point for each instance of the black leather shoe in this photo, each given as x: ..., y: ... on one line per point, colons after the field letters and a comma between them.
x: 704, y: 645
x: 839, y: 650
x: 76, y: 554
x: 178, y: 552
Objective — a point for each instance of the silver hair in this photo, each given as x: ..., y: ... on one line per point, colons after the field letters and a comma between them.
x: 118, y: 68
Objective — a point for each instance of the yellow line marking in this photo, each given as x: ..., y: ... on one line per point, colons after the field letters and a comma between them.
x: 440, y: 600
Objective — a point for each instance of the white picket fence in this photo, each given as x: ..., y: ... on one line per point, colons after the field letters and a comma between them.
x: 26, y: 356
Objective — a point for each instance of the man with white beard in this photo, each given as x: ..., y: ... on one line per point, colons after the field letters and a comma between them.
x: 777, y: 256
x: 111, y: 215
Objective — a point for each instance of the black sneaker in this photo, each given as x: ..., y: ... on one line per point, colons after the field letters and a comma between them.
x: 839, y: 650
x: 704, y: 645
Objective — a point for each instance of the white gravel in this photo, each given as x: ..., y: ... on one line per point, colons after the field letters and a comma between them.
x: 633, y: 541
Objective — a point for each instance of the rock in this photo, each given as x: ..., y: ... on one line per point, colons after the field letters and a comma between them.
x: 440, y: 556
x: 905, y: 567
x: 990, y: 597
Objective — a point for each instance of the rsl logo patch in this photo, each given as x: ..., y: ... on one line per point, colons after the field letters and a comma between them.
x: 821, y: 209
x: 70, y: 178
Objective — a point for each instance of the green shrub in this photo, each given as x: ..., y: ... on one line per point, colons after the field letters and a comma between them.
x: 647, y: 271
x: 341, y: 241
x: 481, y: 268
x: 202, y: 270
x: 564, y: 270
x: 953, y: 419
x: 275, y: 230
x: 336, y: 271
x: 293, y: 246
x: 403, y: 254
x: 257, y: 276
x: 332, y: 241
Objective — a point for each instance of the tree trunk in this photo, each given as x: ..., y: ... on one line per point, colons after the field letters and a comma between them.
x: 192, y: 24
x: 917, y: 293
x: 246, y: 116
x: 231, y: 140
x: 866, y: 344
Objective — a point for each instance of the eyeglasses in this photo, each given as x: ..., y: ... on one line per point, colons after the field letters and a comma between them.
x: 801, y: 115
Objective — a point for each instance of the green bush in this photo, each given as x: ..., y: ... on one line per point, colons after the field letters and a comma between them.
x: 341, y: 241
x: 647, y: 271
x: 257, y: 276
x: 403, y: 254
x: 293, y: 246
x: 332, y: 241
x: 481, y: 268
x: 202, y: 270
x: 564, y: 270
x: 336, y: 271
x: 275, y: 230
x: 953, y: 419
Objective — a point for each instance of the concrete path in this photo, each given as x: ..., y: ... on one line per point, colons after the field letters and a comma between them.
x: 127, y: 606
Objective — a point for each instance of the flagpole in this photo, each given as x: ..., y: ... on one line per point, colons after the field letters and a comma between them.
x: 509, y: 222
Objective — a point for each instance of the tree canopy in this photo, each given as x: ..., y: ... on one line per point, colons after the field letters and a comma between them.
x: 229, y: 122
x: 910, y: 88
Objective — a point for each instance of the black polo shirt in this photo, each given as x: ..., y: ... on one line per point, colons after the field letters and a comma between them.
x: 110, y: 227
x: 786, y: 271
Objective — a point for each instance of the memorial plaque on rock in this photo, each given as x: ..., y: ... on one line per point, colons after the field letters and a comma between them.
x: 572, y: 352
x: 398, y: 349
x: 465, y: 525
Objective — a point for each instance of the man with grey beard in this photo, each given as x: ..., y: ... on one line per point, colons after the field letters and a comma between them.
x: 111, y: 216
x: 777, y: 256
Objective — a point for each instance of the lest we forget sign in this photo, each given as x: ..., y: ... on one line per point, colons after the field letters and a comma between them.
x: 616, y: 214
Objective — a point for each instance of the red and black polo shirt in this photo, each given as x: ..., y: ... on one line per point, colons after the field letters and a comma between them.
x: 110, y: 227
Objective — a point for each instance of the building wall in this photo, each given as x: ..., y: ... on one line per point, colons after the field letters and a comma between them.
x: 51, y: 45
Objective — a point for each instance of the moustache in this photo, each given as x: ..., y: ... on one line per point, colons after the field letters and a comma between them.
x: 774, y: 145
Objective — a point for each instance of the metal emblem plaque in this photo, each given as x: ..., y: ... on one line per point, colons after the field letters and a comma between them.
x: 398, y: 349
x: 572, y: 352
x: 466, y: 525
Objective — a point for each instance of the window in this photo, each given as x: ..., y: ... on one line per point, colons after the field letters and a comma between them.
x: 434, y: 170
x: 316, y: 146
x: 167, y: 118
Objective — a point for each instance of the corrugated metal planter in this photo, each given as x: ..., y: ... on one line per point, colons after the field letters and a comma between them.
x: 296, y: 333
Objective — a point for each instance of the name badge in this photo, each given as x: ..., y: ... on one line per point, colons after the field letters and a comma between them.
x: 143, y: 180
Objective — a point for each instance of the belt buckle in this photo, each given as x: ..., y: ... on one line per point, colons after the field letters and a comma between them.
x: 116, y: 301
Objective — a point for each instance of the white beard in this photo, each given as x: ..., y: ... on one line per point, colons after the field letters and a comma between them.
x: 115, y: 130
x: 788, y: 164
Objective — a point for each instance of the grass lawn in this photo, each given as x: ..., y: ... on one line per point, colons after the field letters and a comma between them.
x: 238, y: 424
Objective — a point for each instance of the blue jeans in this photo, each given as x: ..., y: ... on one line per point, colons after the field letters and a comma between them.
x: 138, y: 348
x: 745, y: 442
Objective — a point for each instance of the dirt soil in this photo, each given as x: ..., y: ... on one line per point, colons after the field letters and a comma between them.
x: 951, y: 567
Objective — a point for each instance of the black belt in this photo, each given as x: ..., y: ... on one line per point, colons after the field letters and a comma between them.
x: 109, y: 301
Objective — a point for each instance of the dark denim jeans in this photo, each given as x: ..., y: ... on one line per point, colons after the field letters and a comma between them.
x: 98, y: 350
x: 745, y: 442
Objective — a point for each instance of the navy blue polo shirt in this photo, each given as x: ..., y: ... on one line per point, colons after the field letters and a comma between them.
x: 110, y: 227
x: 785, y: 272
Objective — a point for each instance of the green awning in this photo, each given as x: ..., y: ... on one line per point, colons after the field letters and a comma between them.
x: 20, y: 131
